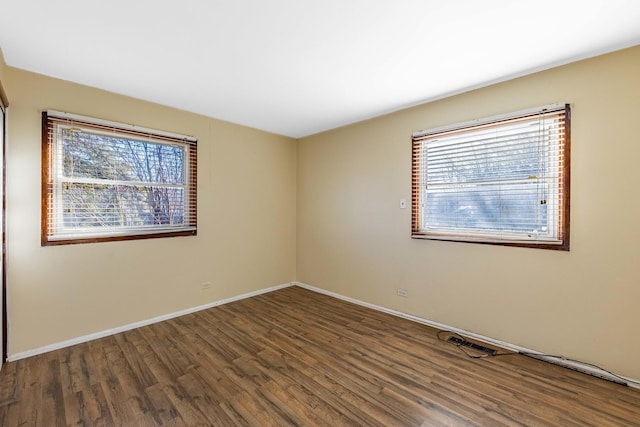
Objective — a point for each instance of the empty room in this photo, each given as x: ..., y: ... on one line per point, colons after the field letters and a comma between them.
x: 337, y: 213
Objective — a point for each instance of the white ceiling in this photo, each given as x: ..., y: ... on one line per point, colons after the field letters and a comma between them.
x: 298, y: 67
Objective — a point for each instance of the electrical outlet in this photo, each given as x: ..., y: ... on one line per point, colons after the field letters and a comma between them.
x: 402, y: 292
x: 205, y: 285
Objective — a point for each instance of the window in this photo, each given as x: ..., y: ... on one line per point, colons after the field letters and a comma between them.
x: 502, y: 180
x: 104, y: 181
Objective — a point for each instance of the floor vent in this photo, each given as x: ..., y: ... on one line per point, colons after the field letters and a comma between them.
x: 477, y: 347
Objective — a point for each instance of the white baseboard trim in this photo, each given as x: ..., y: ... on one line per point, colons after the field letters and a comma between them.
x: 574, y: 365
x: 113, y: 331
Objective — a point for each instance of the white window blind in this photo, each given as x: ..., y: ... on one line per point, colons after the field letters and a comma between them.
x: 501, y: 180
x: 110, y: 181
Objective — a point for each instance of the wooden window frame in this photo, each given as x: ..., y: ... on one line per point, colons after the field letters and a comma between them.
x: 563, y: 211
x: 122, y: 130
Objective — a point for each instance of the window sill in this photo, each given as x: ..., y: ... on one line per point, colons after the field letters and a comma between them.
x: 493, y: 240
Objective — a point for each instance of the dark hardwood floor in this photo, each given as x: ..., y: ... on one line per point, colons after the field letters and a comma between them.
x: 294, y: 357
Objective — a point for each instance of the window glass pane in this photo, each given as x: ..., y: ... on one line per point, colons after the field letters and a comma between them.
x: 92, y: 205
x: 90, y: 155
x: 488, y: 207
x: 481, y: 157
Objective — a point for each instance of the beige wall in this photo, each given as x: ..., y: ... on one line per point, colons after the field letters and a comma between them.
x: 3, y: 66
x: 3, y: 71
x: 354, y: 240
x: 246, y: 223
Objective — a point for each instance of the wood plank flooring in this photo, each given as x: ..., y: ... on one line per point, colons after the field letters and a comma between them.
x: 295, y: 357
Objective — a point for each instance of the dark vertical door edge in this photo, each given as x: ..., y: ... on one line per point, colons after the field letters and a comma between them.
x: 4, y: 103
